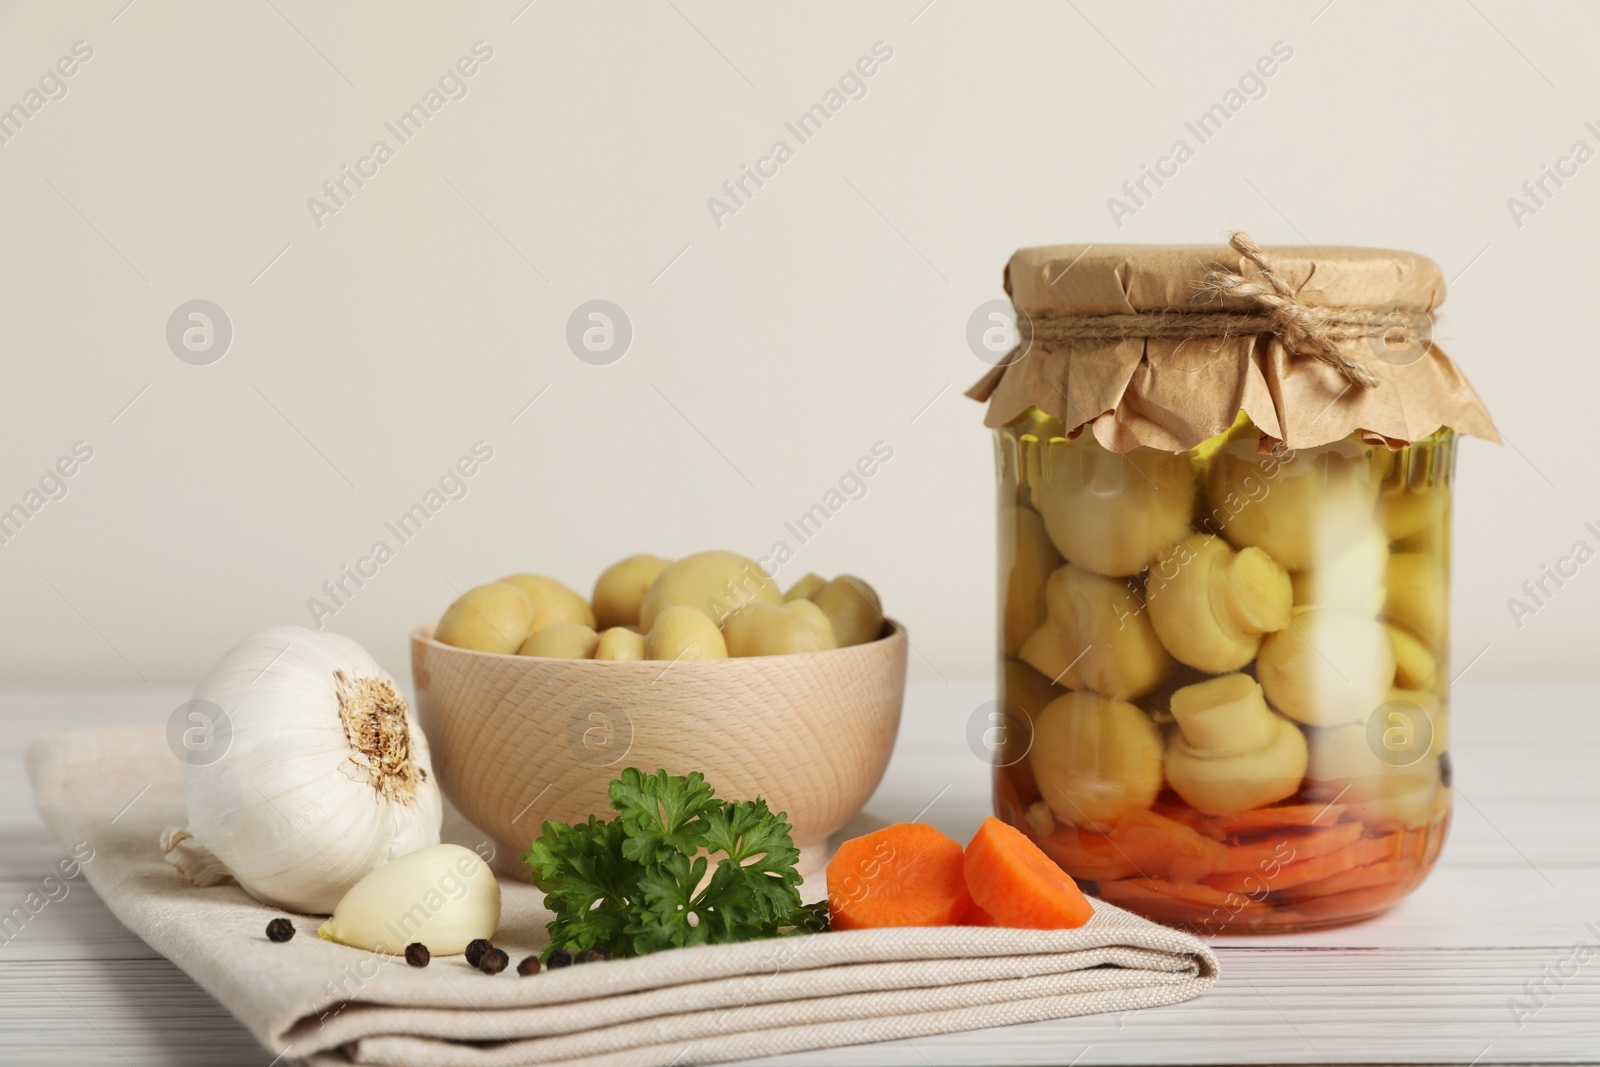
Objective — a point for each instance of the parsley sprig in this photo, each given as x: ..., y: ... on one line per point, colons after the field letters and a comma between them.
x: 637, y: 883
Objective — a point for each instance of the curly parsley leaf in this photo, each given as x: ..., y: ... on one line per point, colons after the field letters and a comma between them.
x: 638, y: 883
x: 661, y: 813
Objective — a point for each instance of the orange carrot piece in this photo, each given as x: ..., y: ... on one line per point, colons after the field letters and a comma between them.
x: 1289, y: 847
x: 976, y: 916
x: 1382, y: 873
x: 908, y: 874
x: 1197, y: 821
x: 1142, y: 843
x: 1358, y: 853
x: 1187, y: 902
x: 1356, y: 904
x: 1086, y: 854
x: 1259, y: 819
x: 1018, y: 885
x: 1163, y: 847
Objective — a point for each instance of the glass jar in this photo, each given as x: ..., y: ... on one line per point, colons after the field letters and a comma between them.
x: 1227, y: 670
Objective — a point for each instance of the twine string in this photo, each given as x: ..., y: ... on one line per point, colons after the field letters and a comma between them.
x: 1310, y: 330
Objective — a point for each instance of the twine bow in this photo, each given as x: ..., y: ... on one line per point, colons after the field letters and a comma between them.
x: 1311, y: 330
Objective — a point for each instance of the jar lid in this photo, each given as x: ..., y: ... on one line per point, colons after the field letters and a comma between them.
x: 1162, y: 346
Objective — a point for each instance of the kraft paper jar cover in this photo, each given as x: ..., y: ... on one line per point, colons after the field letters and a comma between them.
x: 1172, y: 394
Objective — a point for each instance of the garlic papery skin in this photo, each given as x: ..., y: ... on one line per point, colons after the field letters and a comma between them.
x: 326, y: 776
x: 442, y: 896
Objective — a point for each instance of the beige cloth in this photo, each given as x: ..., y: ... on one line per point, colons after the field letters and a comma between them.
x: 117, y: 789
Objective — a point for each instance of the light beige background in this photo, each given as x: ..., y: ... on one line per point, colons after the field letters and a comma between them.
x: 768, y: 353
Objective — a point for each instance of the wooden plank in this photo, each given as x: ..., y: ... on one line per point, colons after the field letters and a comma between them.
x: 117, y: 1014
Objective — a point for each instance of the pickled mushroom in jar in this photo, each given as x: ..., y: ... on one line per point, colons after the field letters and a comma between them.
x: 1230, y: 752
x: 1111, y: 512
x: 1327, y: 667
x: 1095, y: 759
x: 1417, y: 596
x: 1211, y: 605
x: 1300, y: 509
x: 1352, y: 579
x: 1342, y: 764
x: 1096, y: 635
x: 1027, y: 559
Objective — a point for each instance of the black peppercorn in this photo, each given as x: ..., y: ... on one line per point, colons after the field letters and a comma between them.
x: 475, y: 950
x: 593, y: 955
x: 529, y: 965
x: 493, y: 961
x: 559, y: 957
x: 280, y: 930
x: 1446, y: 771
x: 417, y: 954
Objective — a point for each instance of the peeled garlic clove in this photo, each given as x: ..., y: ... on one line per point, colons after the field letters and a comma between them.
x: 1027, y: 559
x: 442, y: 896
x: 853, y: 609
x: 774, y: 630
x: 552, y: 601
x: 487, y: 618
x: 812, y: 614
x: 1327, y: 667
x: 1095, y: 759
x: 683, y: 632
x: 1112, y: 512
x: 805, y: 588
x: 1353, y: 579
x: 1230, y: 752
x: 1417, y: 596
x: 1096, y: 635
x: 619, y: 642
x: 561, y: 640
x: 1299, y: 509
x: 717, y: 583
x: 620, y: 590
x: 1211, y: 605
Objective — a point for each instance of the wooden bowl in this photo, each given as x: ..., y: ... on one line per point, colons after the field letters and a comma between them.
x: 517, y: 740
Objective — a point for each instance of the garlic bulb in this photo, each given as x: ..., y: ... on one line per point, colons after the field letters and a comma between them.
x: 326, y: 776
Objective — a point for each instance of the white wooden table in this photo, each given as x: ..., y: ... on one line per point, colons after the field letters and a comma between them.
x: 1431, y: 982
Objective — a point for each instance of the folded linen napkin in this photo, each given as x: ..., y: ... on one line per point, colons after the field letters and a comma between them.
x: 115, y: 790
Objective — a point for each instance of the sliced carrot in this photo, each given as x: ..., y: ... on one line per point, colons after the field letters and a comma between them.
x: 1143, y: 843
x: 1356, y: 904
x: 1018, y: 885
x: 1194, y: 820
x: 1185, y: 902
x: 1258, y: 819
x: 1163, y: 847
x: 908, y: 874
x: 1252, y: 822
x: 1357, y: 853
x: 1086, y: 854
x: 1384, y: 872
x: 976, y: 916
x: 1289, y: 846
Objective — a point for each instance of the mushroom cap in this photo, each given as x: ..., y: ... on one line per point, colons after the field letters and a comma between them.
x: 1095, y: 759
x: 1327, y: 667
x: 1111, y: 512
